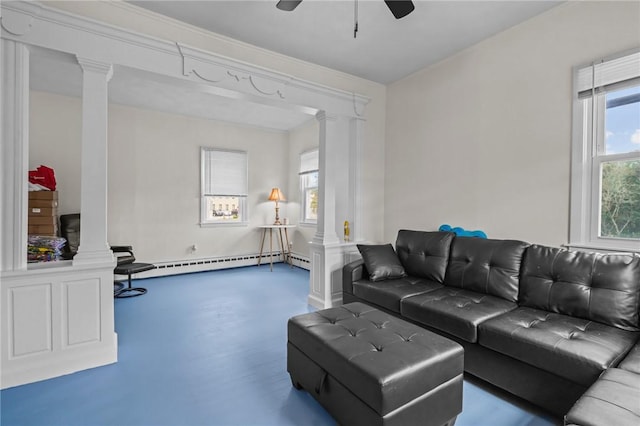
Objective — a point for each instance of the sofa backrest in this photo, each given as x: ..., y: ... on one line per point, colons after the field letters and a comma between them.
x: 598, y: 287
x: 424, y: 254
x: 486, y: 266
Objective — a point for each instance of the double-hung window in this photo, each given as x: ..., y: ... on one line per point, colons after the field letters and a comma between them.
x: 224, y: 186
x: 605, y: 177
x: 309, y: 187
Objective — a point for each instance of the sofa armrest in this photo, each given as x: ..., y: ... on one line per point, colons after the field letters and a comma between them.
x: 351, y: 272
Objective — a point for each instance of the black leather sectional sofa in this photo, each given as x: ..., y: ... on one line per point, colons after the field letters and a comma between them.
x: 542, y: 323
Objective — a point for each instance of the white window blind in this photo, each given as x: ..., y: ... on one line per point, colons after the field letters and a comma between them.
x: 225, y: 172
x: 309, y: 162
x: 608, y: 75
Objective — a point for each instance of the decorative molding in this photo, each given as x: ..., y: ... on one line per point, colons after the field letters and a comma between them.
x: 356, y: 105
x: 215, y: 71
x: 31, y: 320
x: 19, y: 24
x: 273, y: 92
x: 82, y: 323
x: 216, y: 68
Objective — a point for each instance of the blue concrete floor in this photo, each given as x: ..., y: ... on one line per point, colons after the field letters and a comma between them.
x: 209, y: 349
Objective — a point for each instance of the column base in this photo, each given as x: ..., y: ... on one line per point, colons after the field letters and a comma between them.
x: 94, y: 257
x: 325, y: 287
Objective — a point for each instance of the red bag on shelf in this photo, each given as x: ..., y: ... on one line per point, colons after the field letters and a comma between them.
x: 44, y: 176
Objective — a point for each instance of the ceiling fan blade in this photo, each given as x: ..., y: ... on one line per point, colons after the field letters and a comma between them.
x: 288, y: 5
x: 400, y: 8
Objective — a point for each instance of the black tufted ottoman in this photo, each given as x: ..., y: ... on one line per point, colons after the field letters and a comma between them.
x: 367, y: 367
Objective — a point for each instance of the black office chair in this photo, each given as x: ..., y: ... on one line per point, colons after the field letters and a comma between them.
x: 128, y: 266
x: 126, y: 260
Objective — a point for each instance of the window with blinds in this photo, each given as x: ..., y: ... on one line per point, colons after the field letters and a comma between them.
x: 605, y: 208
x: 309, y: 187
x: 224, y: 186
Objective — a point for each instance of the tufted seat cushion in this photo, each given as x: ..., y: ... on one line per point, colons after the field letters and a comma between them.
x: 455, y: 311
x: 613, y: 400
x: 388, y: 294
x: 385, y: 361
x: 573, y: 348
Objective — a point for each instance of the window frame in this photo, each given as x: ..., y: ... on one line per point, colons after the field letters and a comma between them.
x: 305, y: 173
x: 204, y: 197
x: 587, y: 158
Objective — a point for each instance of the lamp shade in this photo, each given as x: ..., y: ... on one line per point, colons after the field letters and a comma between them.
x: 276, y: 195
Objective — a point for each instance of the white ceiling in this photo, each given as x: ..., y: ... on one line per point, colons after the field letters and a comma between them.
x: 321, y: 31
x: 317, y: 31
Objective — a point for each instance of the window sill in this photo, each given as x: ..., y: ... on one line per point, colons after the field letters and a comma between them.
x: 223, y: 224
x: 308, y: 224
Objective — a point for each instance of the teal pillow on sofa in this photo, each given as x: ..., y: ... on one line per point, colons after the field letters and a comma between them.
x: 381, y: 262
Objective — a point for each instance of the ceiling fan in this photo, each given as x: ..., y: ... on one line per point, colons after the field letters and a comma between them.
x: 399, y: 8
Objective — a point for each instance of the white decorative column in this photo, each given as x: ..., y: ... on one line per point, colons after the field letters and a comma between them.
x: 331, y: 135
x: 328, y: 251
x: 354, y: 213
x: 14, y: 155
x: 93, y: 246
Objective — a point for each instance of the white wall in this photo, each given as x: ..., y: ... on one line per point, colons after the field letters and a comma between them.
x: 154, y: 175
x: 154, y: 183
x: 482, y: 139
x: 55, y: 125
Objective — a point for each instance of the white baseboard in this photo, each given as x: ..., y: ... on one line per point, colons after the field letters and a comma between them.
x: 186, y: 266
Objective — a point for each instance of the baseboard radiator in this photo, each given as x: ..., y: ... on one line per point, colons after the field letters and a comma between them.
x: 214, y: 263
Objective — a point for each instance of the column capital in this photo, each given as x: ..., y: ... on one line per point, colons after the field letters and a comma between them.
x: 91, y: 65
x: 326, y: 116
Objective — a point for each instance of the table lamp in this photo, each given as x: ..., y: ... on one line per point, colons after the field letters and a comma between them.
x: 277, y: 195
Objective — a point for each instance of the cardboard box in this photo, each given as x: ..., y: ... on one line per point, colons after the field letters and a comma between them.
x: 43, y: 203
x: 43, y: 220
x: 51, y: 230
x: 43, y: 211
x: 43, y: 195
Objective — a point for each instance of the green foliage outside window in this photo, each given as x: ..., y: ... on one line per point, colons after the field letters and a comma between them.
x: 620, y: 208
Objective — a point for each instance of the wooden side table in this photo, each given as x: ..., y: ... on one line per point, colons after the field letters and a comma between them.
x: 282, y: 237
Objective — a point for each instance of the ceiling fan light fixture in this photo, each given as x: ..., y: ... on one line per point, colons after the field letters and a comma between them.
x: 400, y: 8
x: 288, y: 5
